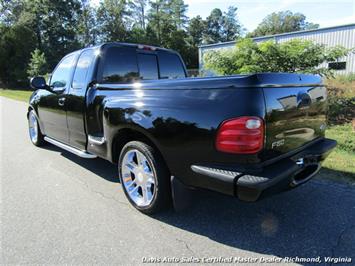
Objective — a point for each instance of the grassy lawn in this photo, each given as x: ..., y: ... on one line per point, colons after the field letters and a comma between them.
x: 16, y: 94
x: 340, y: 165
x: 341, y: 162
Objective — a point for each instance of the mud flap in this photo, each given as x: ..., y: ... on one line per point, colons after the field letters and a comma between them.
x: 181, y: 194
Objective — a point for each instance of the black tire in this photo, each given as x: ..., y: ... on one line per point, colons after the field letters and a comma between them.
x: 39, y: 140
x: 161, y: 198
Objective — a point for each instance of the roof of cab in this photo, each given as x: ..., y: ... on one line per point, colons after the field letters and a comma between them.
x: 123, y: 44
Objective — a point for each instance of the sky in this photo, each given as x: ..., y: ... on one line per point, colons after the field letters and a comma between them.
x: 250, y: 13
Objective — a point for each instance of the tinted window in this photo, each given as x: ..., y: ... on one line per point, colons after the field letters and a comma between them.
x: 148, y: 67
x: 170, y: 66
x: 61, y: 74
x: 81, y: 70
x: 120, y: 65
x: 337, y: 65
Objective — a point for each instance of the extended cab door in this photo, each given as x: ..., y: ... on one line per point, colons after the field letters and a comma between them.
x: 52, y: 107
x: 75, y: 103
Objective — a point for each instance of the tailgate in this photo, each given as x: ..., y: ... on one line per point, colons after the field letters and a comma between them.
x: 296, y: 115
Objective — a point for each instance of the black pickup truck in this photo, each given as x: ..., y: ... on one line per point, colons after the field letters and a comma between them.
x: 247, y: 136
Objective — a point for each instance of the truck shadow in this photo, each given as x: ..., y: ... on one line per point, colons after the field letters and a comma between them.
x: 316, y: 219
x: 98, y: 166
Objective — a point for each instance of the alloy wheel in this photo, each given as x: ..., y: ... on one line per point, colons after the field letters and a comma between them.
x: 138, y: 177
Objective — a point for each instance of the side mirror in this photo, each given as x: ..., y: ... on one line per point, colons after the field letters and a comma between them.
x: 38, y: 83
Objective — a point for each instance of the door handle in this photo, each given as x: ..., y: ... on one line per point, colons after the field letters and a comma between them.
x: 61, y: 101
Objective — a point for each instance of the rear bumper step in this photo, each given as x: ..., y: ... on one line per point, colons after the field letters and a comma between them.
x: 279, y: 176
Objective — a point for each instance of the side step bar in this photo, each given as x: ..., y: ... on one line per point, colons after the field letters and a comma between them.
x: 80, y: 153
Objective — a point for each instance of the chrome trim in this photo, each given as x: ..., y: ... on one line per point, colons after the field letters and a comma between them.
x: 80, y: 153
x: 96, y: 140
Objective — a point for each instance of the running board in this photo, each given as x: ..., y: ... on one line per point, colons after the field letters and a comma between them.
x: 80, y: 153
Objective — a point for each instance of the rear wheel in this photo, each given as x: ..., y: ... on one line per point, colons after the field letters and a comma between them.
x: 144, y: 177
x: 34, y: 130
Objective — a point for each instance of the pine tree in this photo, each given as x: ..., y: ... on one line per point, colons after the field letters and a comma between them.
x: 222, y: 27
x: 112, y: 18
x: 231, y: 25
x: 87, y: 29
x: 158, y: 17
x: 138, y: 10
x: 177, y: 12
x: 195, y: 30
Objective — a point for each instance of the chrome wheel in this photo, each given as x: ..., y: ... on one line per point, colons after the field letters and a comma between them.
x: 138, y: 178
x: 33, y: 127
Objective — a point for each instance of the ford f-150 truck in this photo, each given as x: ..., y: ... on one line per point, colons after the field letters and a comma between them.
x: 247, y: 136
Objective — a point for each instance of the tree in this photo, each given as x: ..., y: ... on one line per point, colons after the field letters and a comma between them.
x: 231, y: 25
x: 158, y: 17
x: 138, y: 10
x: 16, y: 44
x: 281, y: 22
x: 195, y: 30
x: 292, y: 56
x: 48, y: 25
x: 87, y: 29
x: 55, y: 26
x: 10, y: 11
x: 112, y: 19
x: 214, y: 23
x: 222, y: 27
x: 165, y: 17
x: 167, y: 28
x: 177, y: 12
x: 37, y: 65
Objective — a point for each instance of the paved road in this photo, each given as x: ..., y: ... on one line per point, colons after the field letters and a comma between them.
x: 57, y: 208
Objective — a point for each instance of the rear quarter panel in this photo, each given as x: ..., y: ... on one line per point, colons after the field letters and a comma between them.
x: 180, y: 117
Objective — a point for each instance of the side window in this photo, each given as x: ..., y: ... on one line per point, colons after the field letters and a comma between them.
x: 148, y: 66
x: 61, y: 74
x: 82, y: 68
x: 120, y: 65
x: 170, y: 66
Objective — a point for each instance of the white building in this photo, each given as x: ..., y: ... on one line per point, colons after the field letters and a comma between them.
x: 343, y: 35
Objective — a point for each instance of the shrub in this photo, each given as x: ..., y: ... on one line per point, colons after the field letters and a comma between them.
x: 37, y: 65
x: 296, y: 55
x: 341, y: 99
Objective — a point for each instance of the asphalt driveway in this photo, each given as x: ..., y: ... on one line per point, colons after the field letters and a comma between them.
x: 57, y: 208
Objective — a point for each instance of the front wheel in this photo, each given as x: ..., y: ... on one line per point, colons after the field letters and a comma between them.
x: 34, y: 130
x: 144, y: 177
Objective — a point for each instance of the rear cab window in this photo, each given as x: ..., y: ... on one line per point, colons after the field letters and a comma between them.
x: 170, y: 66
x: 120, y: 65
x: 148, y: 66
x: 123, y: 64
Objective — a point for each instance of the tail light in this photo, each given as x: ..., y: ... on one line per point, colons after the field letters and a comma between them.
x: 241, y: 135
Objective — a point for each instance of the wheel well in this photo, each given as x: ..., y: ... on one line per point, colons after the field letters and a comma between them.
x: 126, y: 135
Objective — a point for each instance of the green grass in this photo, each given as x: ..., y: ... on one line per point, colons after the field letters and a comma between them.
x: 341, y: 162
x: 344, y: 136
x: 16, y: 94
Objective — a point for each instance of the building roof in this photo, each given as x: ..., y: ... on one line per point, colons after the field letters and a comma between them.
x: 281, y: 34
